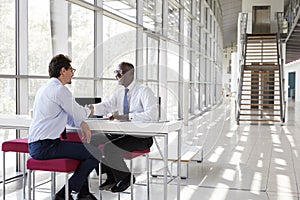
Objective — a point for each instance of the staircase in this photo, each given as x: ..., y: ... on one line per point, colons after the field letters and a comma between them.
x: 260, y: 90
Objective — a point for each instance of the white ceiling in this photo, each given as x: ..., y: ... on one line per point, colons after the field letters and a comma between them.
x: 230, y: 11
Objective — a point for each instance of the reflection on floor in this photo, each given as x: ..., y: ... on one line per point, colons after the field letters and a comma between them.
x: 250, y: 161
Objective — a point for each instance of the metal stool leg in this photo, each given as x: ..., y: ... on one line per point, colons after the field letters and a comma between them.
x: 148, y: 176
x: 131, y: 179
x: 33, y: 185
x: 100, y: 181
x: 24, y: 175
x: 29, y: 185
x: 3, y: 186
x: 67, y: 187
x: 53, y: 184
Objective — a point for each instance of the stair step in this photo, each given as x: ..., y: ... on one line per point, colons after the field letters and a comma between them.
x: 263, y: 114
x: 260, y: 109
x: 261, y: 56
x: 261, y: 81
x: 253, y: 49
x: 259, y: 104
x: 260, y: 120
x: 262, y: 42
x: 259, y: 95
x: 255, y: 98
x: 260, y: 48
x: 257, y: 90
x: 261, y: 75
x: 260, y: 85
x: 259, y: 68
x: 262, y: 35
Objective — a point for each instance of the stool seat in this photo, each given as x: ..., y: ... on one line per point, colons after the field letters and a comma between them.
x: 57, y: 165
x: 65, y: 165
x: 19, y: 145
x: 135, y: 153
x: 16, y: 145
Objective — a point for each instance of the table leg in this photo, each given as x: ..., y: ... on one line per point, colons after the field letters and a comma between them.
x: 179, y: 163
x: 165, y: 167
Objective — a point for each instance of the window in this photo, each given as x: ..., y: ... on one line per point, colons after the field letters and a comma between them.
x: 7, y: 39
x: 39, y: 37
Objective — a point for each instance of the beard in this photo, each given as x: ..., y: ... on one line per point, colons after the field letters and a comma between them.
x: 127, y: 78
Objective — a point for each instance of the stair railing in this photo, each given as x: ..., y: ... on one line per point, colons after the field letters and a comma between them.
x: 280, y: 65
x: 243, y: 18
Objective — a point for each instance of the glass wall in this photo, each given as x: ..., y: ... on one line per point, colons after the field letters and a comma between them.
x: 180, y: 42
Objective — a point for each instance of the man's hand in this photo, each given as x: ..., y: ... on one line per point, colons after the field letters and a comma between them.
x: 120, y: 117
x: 86, y: 132
x: 91, y: 107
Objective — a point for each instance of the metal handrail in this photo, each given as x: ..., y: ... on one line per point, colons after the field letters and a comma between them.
x: 292, y: 12
x: 280, y: 64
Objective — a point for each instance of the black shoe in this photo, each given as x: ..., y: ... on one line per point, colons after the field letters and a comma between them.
x: 88, y: 196
x: 107, y: 185
x: 57, y: 197
x: 122, y: 185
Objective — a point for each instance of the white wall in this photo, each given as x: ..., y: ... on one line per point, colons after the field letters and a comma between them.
x: 276, y: 6
x: 234, y: 72
x: 293, y: 67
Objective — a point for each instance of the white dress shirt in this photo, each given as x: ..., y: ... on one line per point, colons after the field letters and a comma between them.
x: 54, y: 107
x: 142, y: 103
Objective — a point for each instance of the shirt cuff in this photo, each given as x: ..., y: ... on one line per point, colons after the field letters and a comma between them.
x: 130, y: 116
x: 88, y: 112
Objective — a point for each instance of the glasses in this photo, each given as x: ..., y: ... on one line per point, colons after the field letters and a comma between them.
x: 72, y: 69
x: 119, y: 71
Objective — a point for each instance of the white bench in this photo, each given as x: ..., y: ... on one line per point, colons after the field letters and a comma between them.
x: 188, y: 155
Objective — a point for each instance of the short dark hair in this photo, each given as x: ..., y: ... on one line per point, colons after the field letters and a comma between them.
x: 127, y: 64
x: 57, y: 62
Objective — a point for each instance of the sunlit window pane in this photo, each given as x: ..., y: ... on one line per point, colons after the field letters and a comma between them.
x: 173, y: 22
x: 118, y: 45
x: 39, y: 37
x: 82, y: 88
x: 152, y: 15
x: 173, y: 62
x: 109, y: 87
x: 173, y: 100
x: 7, y: 39
x: 33, y: 86
x: 125, y: 8
x: 82, y: 40
x: 8, y: 96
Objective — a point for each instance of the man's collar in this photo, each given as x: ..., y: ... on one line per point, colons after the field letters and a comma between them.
x: 131, y: 85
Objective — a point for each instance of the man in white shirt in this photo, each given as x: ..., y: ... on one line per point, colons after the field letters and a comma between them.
x: 54, y: 108
x: 140, y: 105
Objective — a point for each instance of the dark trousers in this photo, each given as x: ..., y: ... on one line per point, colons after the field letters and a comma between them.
x: 114, y: 147
x: 88, y: 154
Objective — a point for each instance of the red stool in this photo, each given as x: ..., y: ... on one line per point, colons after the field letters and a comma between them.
x: 19, y: 145
x: 131, y: 155
x: 64, y: 165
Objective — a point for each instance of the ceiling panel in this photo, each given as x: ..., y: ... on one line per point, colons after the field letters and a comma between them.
x: 230, y: 11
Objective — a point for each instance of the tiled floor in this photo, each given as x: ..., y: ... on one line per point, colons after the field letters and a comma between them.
x: 249, y: 161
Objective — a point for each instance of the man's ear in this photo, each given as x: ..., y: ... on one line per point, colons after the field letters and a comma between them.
x: 62, y: 71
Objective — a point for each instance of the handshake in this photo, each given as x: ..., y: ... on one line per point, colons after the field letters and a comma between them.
x: 115, y: 115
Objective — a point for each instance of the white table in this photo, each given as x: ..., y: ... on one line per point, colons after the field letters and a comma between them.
x: 163, y: 129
